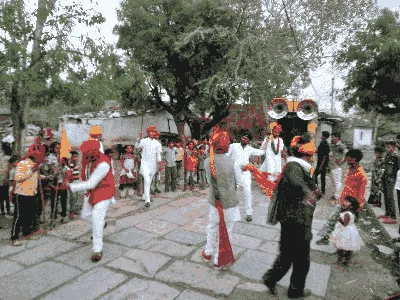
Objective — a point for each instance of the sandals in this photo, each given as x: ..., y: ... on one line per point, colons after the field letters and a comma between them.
x: 97, y: 256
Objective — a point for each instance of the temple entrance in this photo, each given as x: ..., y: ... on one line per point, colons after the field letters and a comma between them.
x: 292, y: 125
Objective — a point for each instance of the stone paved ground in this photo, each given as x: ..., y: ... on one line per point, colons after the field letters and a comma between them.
x: 155, y: 253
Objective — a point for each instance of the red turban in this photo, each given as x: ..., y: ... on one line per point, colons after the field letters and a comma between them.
x: 307, y: 148
x: 220, y: 140
x: 89, y: 147
x: 277, y: 128
x: 38, y: 152
x: 151, y: 129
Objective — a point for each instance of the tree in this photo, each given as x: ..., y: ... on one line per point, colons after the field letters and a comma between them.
x: 373, y: 81
x: 29, y: 73
x: 203, y: 56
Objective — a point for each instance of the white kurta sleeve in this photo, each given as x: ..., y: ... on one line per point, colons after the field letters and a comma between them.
x: 98, y: 174
x: 138, y: 143
x: 257, y: 152
x: 264, y: 144
x: 159, y: 150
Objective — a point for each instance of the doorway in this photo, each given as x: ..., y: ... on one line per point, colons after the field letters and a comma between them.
x: 292, y: 125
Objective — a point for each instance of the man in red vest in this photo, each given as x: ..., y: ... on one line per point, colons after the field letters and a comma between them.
x: 98, y: 182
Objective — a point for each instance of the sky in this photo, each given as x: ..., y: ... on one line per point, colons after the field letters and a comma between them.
x: 321, y: 78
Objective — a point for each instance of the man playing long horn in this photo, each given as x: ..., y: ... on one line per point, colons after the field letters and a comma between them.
x: 274, y: 151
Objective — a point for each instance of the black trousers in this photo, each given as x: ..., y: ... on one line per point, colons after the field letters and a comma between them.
x: 388, y: 192
x: 294, y: 250
x: 323, y: 178
x: 24, y: 216
x: 63, y: 196
x: 4, y: 198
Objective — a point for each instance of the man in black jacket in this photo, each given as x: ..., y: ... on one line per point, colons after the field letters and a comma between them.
x: 323, y: 160
x: 296, y: 195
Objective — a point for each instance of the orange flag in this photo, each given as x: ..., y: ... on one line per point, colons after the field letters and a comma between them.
x: 65, y: 146
x: 262, y: 180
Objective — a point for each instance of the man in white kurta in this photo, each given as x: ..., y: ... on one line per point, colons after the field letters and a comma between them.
x: 99, y: 185
x: 151, y: 156
x: 240, y: 153
x: 274, y: 151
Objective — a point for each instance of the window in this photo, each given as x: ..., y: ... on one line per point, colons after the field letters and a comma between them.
x: 361, y: 135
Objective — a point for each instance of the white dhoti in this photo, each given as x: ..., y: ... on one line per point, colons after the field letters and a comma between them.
x: 148, y: 173
x: 336, y: 179
x: 95, y: 215
x: 273, y: 162
x: 231, y: 215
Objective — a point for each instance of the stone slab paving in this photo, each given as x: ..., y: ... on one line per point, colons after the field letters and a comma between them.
x: 255, y: 287
x: 43, y: 252
x: 183, y: 202
x: 182, y: 215
x: 199, y: 276
x: 131, y: 237
x: 8, y: 249
x: 114, y: 212
x: 71, y: 230
x: 34, y: 281
x: 9, y: 267
x: 88, y: 286
x: 199, y: 225
x: 330, y: 248
x: 270, y: 247
x: 245, y: 241
x: 157, y: 226
x: 80, y: 257
x: 142, y: 289
x: 253, y: 264
x: 186, y: 237
x: 255, y: 231
x: 317, y: 278
x: 140, y: 262
x: 134, y: 219
x: 168, y: 247
x: 190, y: 295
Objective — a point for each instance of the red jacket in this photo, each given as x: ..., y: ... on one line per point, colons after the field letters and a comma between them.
x: 106, y: 188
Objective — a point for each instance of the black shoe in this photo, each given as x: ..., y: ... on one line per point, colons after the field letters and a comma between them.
x: 292, y: 294
x: 152, y: 193
x: 157, y: 191
x: 271, y: 287
x: 147, y: 204
x: 3, y: 214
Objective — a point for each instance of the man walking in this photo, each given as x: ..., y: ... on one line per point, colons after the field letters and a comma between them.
x: 151, y: 156
x: 240, y: 153
x: 323, y: 160
x: 336, y: 160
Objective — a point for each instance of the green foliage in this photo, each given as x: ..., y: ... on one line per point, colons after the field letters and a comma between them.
x: 373, y: 82
x: 207, y: 55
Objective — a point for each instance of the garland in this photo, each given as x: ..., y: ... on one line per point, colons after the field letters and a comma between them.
x: 273, y: 146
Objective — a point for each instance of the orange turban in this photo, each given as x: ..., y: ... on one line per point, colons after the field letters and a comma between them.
x: 221, y: 140
x: 95, y: 131
x: 305, y: 148
x: 151, y: 129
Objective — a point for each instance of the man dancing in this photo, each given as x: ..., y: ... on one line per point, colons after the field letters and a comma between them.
x: 240, y: 153
x: 151, y: 156
x: 98, y: 182
x: 274, y: 152
x: 224, y: 210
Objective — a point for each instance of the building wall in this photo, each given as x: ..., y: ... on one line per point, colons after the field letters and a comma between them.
x: 119, y: 128
x: 362, y: 137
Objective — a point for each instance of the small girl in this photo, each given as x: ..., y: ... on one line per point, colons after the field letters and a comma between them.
x: 65, y: 177
x: 345, y: 235
x: 128, y: 173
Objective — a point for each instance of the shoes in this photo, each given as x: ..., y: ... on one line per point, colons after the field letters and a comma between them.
x: 389, y: 220
x: 206, y: 257
x: 382, y: 217
x: 3, y: 214
x: 97, y: 256
x: 71, y: 216
x: 16, y: 243
x: 249, y: 218
x: 295, y: 294
x: 271, y: 287
x: 323, y: 241
x: 218, y: 267
x: 157, y: 191
x: 147, y: 204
